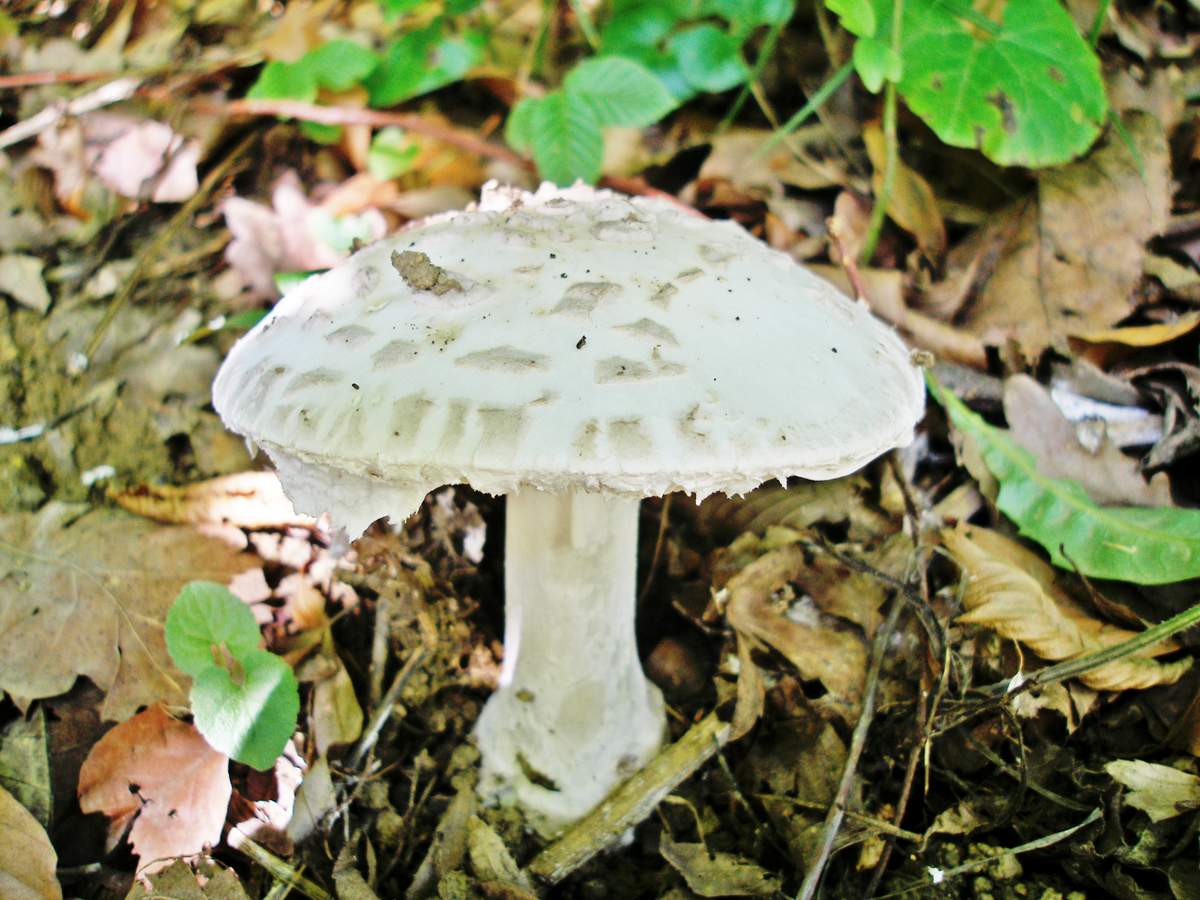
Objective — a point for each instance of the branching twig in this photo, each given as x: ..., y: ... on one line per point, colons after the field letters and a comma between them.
x: 105, y: 95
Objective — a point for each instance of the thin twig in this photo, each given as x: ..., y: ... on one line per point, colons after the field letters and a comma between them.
x: 278, y: 869
x: 346, y: 115
x: 833, y: 821
x: 664, y: 519
x: 383, y: 711
x: 157, y: 246
x: 105, y: 95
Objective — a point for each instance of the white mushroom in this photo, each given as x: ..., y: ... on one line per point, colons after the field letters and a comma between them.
x: 577, y: 350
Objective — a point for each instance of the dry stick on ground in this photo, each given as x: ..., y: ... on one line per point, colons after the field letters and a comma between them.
x: 105, y: 95
x: 157, y: 246
x: 632, y: 802
x: 858, y: 740
x: 278, y: 869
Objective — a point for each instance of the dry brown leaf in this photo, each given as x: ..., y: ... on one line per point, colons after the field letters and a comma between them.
x: 1014, y: 592
x: 86, y: 593
x: 27, y: 859
x: 913, y: 205
x: 1073, y: 254
x: 1161, y: 792
x: 178, y: 882
x: 1108, y: 475
x: 247, y: 500
x: 715, y: 873
x: 162, y: 776
x: 837, y: 658
x: 737, y: 156
x: 337, y: 717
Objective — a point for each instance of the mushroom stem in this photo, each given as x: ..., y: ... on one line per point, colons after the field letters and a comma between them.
x: 574, y: 714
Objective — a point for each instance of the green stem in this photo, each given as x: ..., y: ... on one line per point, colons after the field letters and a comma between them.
x: 884, y: 196
x: 1098, y: 23
x: 765, y: 52
x: 823, y: 93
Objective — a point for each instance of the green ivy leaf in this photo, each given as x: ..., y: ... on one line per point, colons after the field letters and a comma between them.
x: 1024, y: 89
x: 1144, y: 545
x: 250, y: 713
x: 858, y: 16
x: 205, y: 617
x: 621, y: 91
x: 284, y: 81
x: 710, y: 59
x: 566, y: 139
x: 876, y: 62
x: 339, y: 65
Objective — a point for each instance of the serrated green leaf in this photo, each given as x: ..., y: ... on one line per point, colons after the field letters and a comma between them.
x: 1144, y: 545
x: 518, y: 130
x: 636, y: 28
x: 339, y: 65
x: 1025, y: 89
x: 751, y: 13
x: 620, y: 91
x: 857, y: 16
x: 252, y: 718
x: 284, y: 81
x: 710, y: 59
x: 206, y: 616
x: 566, y: 139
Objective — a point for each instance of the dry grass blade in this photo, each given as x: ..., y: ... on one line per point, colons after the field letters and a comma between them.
x: 1012, y: 591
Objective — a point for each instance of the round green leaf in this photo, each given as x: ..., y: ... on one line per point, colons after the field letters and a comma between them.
x: 858, y: 16
x: 248, y: 714
x: 339, y: 65
x: 1026, y: 92
x: 566, y: 140
x: 876, y: 62
x: 636, y: 28
x: 621, y: 91
x: 391, y: 153
x: 205, y: 616
x: 518, y: 130
x: 284, y: 81
x: 710, y: 59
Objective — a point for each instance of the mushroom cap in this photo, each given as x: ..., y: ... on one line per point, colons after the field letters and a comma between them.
x: 572, y: 339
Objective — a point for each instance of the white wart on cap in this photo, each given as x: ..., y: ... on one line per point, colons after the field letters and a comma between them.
x: 576, y: 350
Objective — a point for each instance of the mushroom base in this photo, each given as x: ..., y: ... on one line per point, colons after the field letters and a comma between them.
x: 574, y: 715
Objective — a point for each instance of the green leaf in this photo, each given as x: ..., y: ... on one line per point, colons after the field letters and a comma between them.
x: 422, y: 61
x: 566, y: 140
x: 284, y: 81
x: 248, y: 714
x: 1144, y: 545
x: 876, y: 62
x: 321, y: 133
x: 1025, y: 90
x: 620, y: 91
x: 391, y: 153
x: 636, y: 28
x: 339, y: 65
x: 858, y: 16
x: 710, y: 59
x: 518, y: 130
x: 751, y: 13
x: 205, y: 617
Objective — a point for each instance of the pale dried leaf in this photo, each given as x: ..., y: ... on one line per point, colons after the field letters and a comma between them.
x: 1161, y: 792
x: 141, y: 158
x: 1108, y: 475
x: 21, y: 279
x: 162, y: 776
x: 1013, y: 591
x: 1073, y: 254
x: 249, y: 500
x: 86, y: 593
x: 912, y: 205
x: 838, y: 658
x: 27, y: 859
x: 178, y: 882
x: 716, y: 873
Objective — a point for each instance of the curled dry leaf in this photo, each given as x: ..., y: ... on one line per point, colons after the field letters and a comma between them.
x: 1013, y: 591
x: 27, y: 859
x: 1161, y: 792
x: 247, y: 500
x: 913, y: 205
x: 162, y: 776
x: 837, y: 658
